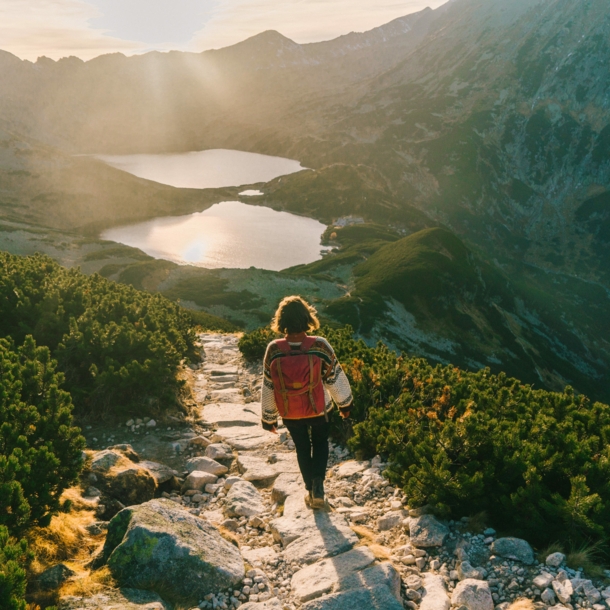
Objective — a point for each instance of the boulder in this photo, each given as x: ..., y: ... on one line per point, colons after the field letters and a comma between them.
x: 121, y: 479
x: 103, y: 461
x: 201, y: 442
x: 543, y: 580
x: 132, y: 485
x: 219, y: 451
x: 244, y: 500
x: 55, y: 576
x: 390, y: 520
x: 160, y: 472
x: 374, y: 598
x: 198, y: 480
x: 548, y: 596
x: 115, y: 599
x: 127, y: 450
x: 563, y: 590
x: 514, y: 548
x: 205, y: 464
x: 427, y: 531
x: 465, y: 570
x: 474, y: 594
x: 554, y: 560
x: 434, y: 595
x: 158, y: 546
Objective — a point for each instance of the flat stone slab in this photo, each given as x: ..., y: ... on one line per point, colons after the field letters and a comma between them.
x: 383, y: 574
x: 230, y: 395
x: 374, y: 598
x: 246, y: 438
x: 435, y: 595
x: 263, y: 554
x: 324, y: 577
x: 323, y: 536
x: 232, y: 414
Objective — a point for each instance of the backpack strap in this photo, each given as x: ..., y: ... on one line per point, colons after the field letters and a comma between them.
x: 283, y: 390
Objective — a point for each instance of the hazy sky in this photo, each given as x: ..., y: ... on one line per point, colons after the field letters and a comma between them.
x: 87, y: 28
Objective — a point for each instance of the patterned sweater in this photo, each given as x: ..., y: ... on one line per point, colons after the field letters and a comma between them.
x: 336, y: 385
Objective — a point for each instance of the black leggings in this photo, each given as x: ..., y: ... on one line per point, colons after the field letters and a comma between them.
x: 311, y: 442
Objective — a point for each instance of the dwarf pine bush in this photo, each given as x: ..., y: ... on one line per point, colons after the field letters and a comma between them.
x: 40, y: 449
x: 14, y: 558
x: 119, y: 348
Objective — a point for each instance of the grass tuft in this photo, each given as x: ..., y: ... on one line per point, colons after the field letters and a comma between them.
x: 587, y: 557
x: 554, y: 547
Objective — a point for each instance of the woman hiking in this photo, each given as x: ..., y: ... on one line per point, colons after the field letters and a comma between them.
x: 301, y: 379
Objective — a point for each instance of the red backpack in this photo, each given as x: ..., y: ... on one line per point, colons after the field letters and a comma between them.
x: 297, y: 381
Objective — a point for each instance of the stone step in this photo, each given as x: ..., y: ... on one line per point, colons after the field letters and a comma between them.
x: 228, y: 414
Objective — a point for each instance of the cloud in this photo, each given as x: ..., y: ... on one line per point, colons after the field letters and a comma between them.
x: 55, y: 28
x: 301, y: 20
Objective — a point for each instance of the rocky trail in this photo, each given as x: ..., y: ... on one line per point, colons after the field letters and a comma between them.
x: 216, y: 518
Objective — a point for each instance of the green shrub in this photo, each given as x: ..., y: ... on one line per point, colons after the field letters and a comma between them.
x: 119, y: 348
x: 40, y: 449
x: 252, y: 345
x: 537, y: 462
x: 14, y: 558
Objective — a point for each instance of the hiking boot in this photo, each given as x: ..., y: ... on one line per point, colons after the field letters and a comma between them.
x: 309, y: 499
x: 318, y: 493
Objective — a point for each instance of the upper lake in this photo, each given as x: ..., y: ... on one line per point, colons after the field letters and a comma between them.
x: 230, y: 234
x: 206, y: 169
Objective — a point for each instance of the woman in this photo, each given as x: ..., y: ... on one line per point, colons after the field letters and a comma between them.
x: 301, y: 379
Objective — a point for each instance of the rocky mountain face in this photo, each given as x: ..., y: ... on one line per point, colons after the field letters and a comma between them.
x: 486, y: 117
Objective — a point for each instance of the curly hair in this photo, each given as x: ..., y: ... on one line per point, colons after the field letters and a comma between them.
x: 294, y: 315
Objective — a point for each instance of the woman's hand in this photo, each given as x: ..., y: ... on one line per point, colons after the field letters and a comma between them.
x: 345, y: 414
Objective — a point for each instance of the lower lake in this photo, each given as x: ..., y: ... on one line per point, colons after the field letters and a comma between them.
x: 229, y: 234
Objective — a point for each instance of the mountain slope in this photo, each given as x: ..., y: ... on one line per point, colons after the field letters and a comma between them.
x: 429, y: 294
